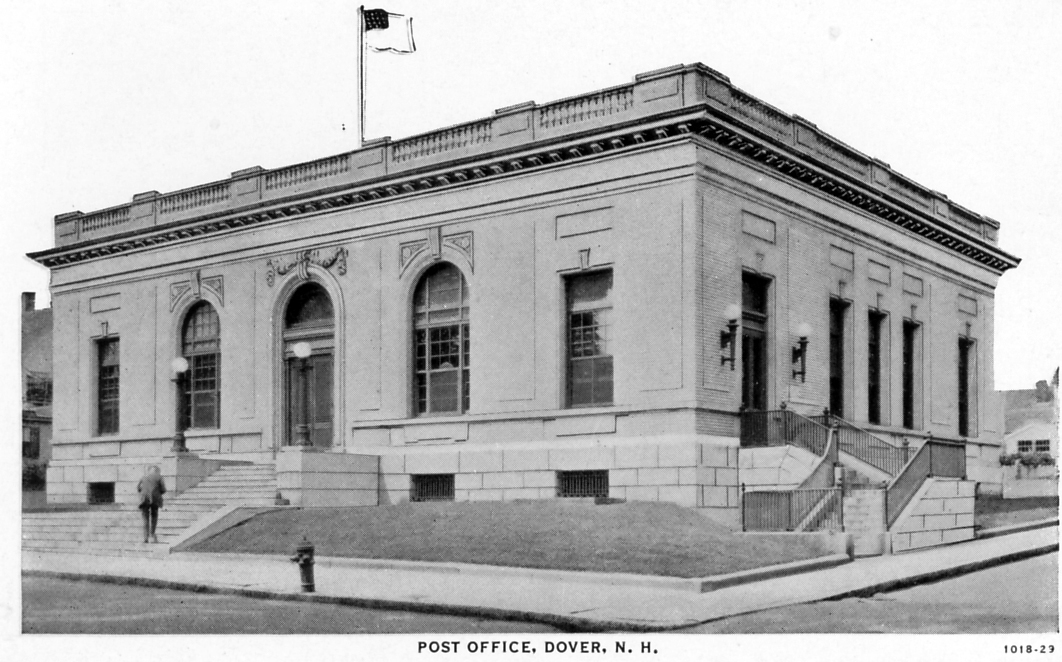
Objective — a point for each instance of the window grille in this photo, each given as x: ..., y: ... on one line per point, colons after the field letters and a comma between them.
x: 582, y: 484
x: 101, y: 492
x: 1043, y: 445
x: 431, y: 487
x: 1025, y: 446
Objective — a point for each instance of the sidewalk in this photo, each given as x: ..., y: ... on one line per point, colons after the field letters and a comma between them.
x: 543, y: 597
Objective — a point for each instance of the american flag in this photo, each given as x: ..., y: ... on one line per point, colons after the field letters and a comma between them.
x: 376, y: 19
x: 387, y: 32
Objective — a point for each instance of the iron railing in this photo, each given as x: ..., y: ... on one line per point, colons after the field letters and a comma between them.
x: 781, y: 427
x: 815, y: 505
x: 934, y: 459
x: 791, y: 510
x: 859, y: 443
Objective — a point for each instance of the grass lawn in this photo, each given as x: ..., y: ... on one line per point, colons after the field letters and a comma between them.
x: 993, y: 511
x: 642, y: 538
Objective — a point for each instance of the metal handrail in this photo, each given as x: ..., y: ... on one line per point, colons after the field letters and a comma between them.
x: 786, y: 510
x: 875, y: 451
x: 934, y: 459
x: 789, y: 510
x: 782, y: 427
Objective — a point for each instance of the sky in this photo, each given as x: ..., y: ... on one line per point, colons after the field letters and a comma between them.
x: 102, y: 99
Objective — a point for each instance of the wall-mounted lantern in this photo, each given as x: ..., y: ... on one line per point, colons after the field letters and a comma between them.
x: 800, y: 352
x: 728, y: 338
x: 179, y: 366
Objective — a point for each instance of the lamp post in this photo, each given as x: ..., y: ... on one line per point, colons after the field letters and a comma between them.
x: 800, y: 352
x: 179, y: 365
x: 728, y: 338
x: 302, y: 429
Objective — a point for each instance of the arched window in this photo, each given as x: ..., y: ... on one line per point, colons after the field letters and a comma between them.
x: 441, y: 342
x: 201, y: 346
x: 308, y: 384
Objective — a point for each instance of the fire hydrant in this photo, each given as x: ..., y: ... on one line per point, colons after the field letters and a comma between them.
x: 304, y: 557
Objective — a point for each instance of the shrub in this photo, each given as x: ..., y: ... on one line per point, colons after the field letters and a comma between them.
x: 33, y: 474
x: 1027, y: 459
x: 1037, y: 459
x: 1008, y: 459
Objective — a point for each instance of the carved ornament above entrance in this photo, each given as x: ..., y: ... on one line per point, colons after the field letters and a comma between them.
x: 326, y: 258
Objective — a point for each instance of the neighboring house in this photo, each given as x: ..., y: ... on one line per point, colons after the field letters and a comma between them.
x: 1031, y: 417
x: 36, y: 380
x: 577, y: 298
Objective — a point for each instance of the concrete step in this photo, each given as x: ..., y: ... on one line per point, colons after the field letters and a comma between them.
x: 215, y: 489
x: 103, y: 549
x: 234, y: 484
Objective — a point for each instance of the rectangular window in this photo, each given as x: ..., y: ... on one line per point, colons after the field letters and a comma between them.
x: 754, y: 341
x: 589, y: 304
x: 910, y: 370
x: 39, y: 390
x: 838, y: 309
x: 431, y: 487
x: 1043, y: 445
x: 108, y: 369
x: 201, y: 394
x: 875, y: 321
x: 31, y: 442
x: 1025, y: 445
x: 965, y: 385
x: 576, y: 484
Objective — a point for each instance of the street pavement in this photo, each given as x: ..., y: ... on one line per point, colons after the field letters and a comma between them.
x: 560, y: 599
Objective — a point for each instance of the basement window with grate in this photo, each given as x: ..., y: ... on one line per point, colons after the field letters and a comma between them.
x: 431, y: 487
x: 101, y: 492
x: 582, y: 483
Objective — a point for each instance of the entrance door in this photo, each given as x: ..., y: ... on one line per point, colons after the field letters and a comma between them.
x: 753, y: 369
x: 318, y: 400
x: 309, y: 321
x: 754, y: 307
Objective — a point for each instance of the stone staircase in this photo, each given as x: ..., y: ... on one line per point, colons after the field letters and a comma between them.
x: 864, y: 518
x: 118, y: 530
x: 246, y: 484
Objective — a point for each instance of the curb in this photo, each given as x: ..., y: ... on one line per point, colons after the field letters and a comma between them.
x: 944, y: 573
x: 984, y: 534
x: 570, y: 623
x: 685, y: 584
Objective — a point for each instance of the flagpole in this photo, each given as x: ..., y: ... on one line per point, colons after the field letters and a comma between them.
x: 361, y: 77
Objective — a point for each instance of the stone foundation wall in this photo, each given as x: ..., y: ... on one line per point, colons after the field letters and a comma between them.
x: 779, y: 467
x: 942, y: 512
x: 307, y: 477
x: 690, y: 472
x: 68, y: 480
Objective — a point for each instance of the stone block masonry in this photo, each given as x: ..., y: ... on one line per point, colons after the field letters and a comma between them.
x: 698, y: 472
x: 942, y: 512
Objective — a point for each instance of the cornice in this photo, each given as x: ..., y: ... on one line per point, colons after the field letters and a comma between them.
x: 797, y: 167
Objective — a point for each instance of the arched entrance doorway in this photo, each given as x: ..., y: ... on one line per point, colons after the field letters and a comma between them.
x: 309, y: 320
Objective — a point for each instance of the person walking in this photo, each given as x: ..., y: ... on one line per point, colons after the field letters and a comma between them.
x: 151, y: 488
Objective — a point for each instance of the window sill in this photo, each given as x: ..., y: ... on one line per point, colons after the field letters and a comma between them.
x: 542, y: 414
